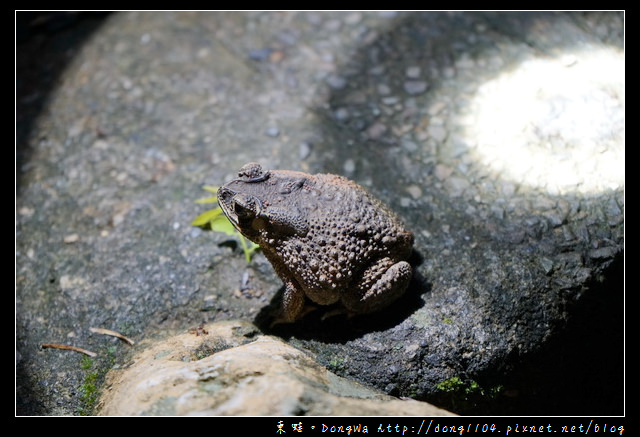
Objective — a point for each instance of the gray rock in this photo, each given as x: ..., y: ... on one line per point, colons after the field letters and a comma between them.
x: 117, y: 134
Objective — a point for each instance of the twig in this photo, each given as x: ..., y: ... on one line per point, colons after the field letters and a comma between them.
x: 70, y: 348
x: 113, y: 333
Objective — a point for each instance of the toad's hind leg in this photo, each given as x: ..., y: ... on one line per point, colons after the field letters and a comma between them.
x: 381, y: 284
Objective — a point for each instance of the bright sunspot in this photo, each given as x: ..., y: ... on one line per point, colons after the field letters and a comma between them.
x: 556, y: 124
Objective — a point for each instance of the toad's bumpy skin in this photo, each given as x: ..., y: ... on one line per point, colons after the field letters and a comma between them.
x: 326, y: 237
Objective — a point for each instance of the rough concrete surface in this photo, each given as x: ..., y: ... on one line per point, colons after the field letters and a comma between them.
x: 497, y: 137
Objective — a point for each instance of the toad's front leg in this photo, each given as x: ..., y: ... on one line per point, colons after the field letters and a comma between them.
x: 293, y: 303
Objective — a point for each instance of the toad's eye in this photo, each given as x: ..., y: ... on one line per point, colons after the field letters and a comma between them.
x: 223, y: 196
x: 246, y: 206
x: 241, y: 211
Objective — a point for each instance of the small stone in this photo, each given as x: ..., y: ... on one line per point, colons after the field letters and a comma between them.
x: 71, y: 238
x: 603, y: 252
x: 389, y: 101
x: 414, y: 87
x: 336, y: 82
x: 438, y: 133
x: 465, y: 62
x: 260, y: 54
x: 341, y: 114
x: 457, y: 185
x: 413, y: 72
x: 333, y: 25
x: 436, y: 108
x: 304, y: 149
x: 409, y: 145
x: 349, y: 166
x: 353, y: 18
x: 272, y: 131
x: 448, y: 72
x: 276, y: 56
x: 383, y: 89
x: 288, y: 37
x: 26, y: 211
x: 377, y: 70
x: 442, y: 172
x: 376, y: 130
x: 497, y: 211
x: 415, y: 191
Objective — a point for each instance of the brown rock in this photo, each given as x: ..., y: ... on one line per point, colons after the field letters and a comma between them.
x: 247, y: 376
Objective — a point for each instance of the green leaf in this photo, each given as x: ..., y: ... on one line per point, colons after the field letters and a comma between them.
x: 206, y: 217
x: 218, y: 222
x: 222, y: 224
x: 212, y: 199
x: 211, y: 189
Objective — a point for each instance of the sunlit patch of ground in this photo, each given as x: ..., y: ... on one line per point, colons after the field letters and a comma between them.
x: 556, y: 124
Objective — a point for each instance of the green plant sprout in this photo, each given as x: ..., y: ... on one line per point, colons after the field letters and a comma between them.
x: 215, y: 220
x: 450, y: 385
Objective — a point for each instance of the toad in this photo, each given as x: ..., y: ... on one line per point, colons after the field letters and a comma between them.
x: 327, y: 238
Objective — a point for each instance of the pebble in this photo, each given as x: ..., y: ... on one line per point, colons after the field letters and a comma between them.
x: 389, y: 101
x: 383, y: 89
x: 376, y: 130
x: 415, y: 191
x: 547, y: 264
x: 336, y: 82
x: 72, y: 238
x: 442, y: 172
x: 333, y: 25
x: 304, y: 150
x: 414, y: 87
x: 349, y: 166
x: 413, y: 72
x: 353, y: 18
x: 26, y: 211
x: 272, y: 131
x: 438, y: 133
x: 457, y: 185
x: 377, y: 70
x: 341, y: 114
x: 436, y: 108
x: 260, y: 54
x: 276, y: 56
x: 409, y: 146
